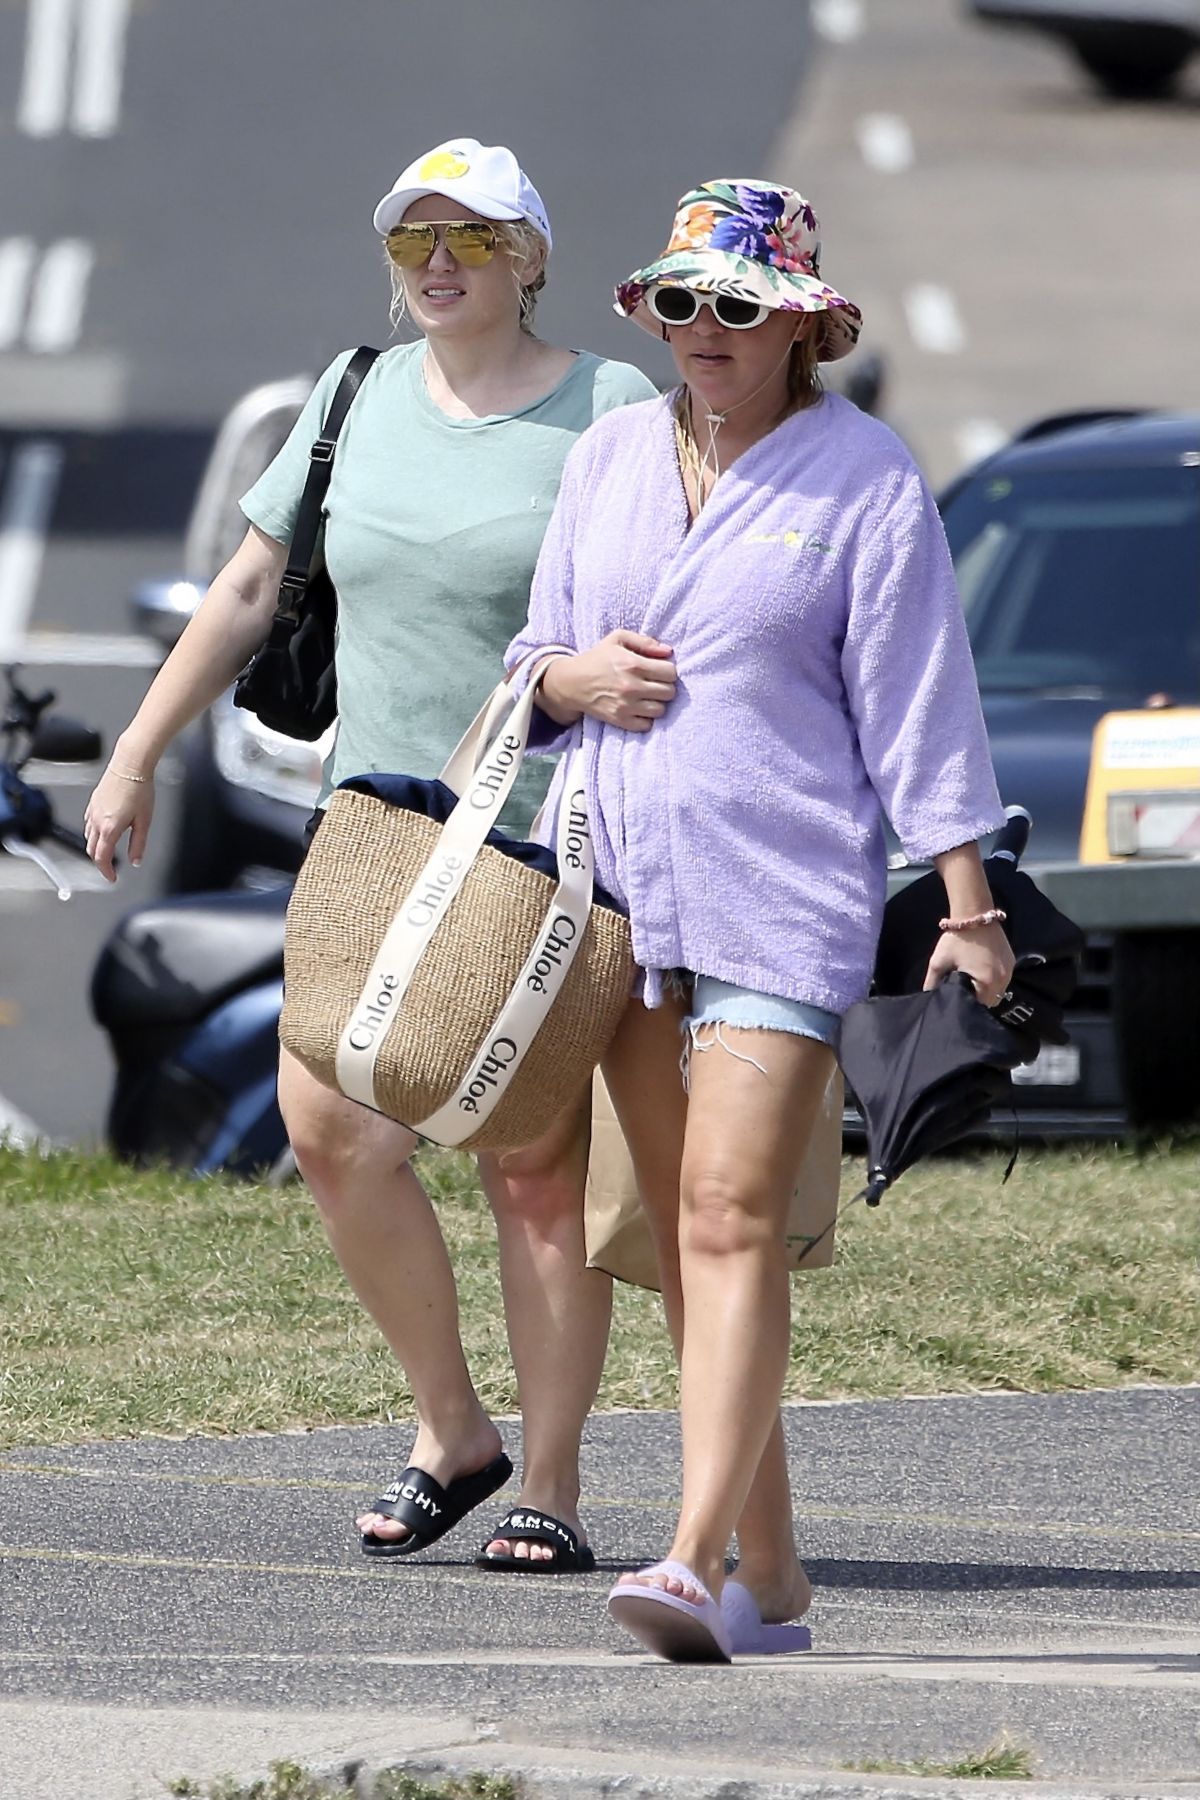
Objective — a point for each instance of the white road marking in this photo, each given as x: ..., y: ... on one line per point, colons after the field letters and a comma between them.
x: 98, y: 29
x: 840, y: 21
x: 80, y: 649
x: 59, y: 295
x: 78, y: 390
x: 16, y: 1127
x: 25, y: 510
x: 103, y: 27
x: 1098, y: 1664
x: 933, y: 319
x: 886, y: 142
x: 977, y: 438
x: 62, y: 775
x: 17, y: 257
x: 42, y: 106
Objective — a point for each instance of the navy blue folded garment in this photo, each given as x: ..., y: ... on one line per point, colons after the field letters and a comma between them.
x: 436, y: 801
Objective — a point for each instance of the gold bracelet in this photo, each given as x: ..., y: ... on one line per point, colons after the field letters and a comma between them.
x: 126, y: 775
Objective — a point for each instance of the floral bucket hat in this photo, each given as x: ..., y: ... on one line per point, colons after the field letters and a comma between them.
x: 755, y: 241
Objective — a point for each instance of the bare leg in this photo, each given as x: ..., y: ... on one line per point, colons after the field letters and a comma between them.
x: 768, y: 1563
x: 386, y: 1237
x: 557, y: 1311
x: 744, y: 1134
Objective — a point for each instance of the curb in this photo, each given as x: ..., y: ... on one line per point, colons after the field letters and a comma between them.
x: 542, y: 1774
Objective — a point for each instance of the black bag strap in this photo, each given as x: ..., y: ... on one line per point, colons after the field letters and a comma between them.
x: 307, y: 529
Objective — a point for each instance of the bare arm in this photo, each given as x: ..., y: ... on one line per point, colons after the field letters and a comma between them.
x: 983, y: 952
x: 229, y: 625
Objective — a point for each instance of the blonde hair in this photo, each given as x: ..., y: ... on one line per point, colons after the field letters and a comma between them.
x: 521, y: 242
x: 804, y: 368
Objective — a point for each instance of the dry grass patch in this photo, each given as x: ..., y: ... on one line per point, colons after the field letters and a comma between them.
x: 141, y: 1302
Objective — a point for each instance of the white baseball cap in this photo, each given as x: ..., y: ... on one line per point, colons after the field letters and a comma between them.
x: 487, y: 178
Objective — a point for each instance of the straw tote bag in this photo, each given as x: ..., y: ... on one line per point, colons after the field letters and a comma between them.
x: 461, y: 982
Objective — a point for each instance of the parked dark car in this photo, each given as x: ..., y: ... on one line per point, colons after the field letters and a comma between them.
x: 1133, y: 49
x: 1077, y: 551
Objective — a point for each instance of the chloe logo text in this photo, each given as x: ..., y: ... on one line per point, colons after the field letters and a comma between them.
x: 426, y: 904
x: 562, y: 935
x: 489, y: 1073
x: 365, y: 1027
x: 491, y: 777
x: 577, y: 829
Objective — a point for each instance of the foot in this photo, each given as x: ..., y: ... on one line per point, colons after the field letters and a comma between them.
x: 565, y: 1511
x: 780, y: 1595
x: 694, y: 1592
x: 444, y: 1464
x: 668, y: 1608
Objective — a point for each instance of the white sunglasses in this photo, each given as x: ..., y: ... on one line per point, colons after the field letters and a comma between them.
x: 671, y: 304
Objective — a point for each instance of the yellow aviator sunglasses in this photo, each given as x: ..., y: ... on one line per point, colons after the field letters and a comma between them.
x: 468, y: 241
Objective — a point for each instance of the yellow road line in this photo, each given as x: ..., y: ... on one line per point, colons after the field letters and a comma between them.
x: 824, y: 1515
x: 200, y: 1565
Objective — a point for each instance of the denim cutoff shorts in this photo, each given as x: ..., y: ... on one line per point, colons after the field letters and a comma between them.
x: 716, y: 1002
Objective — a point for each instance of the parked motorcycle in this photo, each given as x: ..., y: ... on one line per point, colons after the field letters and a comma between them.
x: 189, y: 990
x: 28, y: 730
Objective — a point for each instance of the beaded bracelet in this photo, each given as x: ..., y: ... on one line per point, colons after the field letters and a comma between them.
x: 125, y: 775
x: 993, y: 916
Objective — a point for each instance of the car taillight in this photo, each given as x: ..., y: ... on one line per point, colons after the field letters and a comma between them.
x: 1155, y: 824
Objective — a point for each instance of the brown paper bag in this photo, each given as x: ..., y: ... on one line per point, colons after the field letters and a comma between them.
x: 616, y: 1231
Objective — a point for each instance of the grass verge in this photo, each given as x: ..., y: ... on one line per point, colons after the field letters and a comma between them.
x: 141, y: 1302
x: 288, y: 1781
x: 1001, y: 1760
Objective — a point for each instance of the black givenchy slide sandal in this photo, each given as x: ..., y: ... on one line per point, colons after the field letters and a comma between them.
x: 429, y: 1509
x: 525, y: 1527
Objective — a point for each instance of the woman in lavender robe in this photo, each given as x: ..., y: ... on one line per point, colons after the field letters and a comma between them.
x: 769, y: 656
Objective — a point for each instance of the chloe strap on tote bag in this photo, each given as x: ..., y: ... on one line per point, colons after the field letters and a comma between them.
x: 462, y: 982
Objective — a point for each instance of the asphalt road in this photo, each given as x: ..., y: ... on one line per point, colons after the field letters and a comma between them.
x: 982, y: 1564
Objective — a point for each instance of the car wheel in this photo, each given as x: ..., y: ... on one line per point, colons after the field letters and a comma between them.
x: 200, y: 859
x: 1156, y: 1011
x: 1133, y: 72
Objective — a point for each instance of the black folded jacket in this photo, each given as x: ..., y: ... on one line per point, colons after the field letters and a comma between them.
x: 436, y: 801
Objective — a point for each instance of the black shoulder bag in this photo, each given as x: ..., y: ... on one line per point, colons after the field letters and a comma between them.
x: 290, y: 683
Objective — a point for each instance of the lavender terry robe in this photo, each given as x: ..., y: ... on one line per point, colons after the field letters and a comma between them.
x: 824, y: 677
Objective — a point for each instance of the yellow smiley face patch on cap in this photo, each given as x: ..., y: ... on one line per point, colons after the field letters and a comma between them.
x: 443, y: 165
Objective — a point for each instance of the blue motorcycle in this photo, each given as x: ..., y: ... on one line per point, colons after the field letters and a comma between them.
x: 189, y: 991
x: 27, y: 823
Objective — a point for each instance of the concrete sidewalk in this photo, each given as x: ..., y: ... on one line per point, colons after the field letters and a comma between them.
x: 1012, y: 1562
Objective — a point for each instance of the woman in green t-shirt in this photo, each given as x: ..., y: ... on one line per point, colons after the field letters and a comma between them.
x: 445, y: 476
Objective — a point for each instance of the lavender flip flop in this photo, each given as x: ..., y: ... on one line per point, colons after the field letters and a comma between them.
x: 749, y: 1635
x: 679, y: 1630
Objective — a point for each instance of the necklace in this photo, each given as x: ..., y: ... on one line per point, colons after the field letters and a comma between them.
x: 692, y: 465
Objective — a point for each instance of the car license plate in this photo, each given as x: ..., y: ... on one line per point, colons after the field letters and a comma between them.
x: 1055, y: 1065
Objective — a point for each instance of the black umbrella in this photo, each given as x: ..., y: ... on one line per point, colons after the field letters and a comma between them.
x: 1045, y: 943
x: 927, y: 1068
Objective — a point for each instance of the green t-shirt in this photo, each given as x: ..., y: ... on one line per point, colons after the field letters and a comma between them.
x: 433, y: 527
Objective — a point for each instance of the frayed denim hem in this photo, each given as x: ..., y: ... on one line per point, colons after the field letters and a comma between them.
x: 720, y: 1005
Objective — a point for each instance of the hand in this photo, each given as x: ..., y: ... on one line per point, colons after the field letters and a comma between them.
x: 983, y: 954
x: 627, y: 679
x: 117, y: 806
